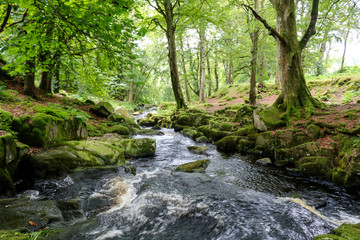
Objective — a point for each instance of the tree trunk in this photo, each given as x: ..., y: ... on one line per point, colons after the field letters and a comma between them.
x: 209, y: 76
x: 216, y: 75
x: 186, y: 88
x: 57, y: 76
x: 231, y: 72
x: 277, y: 74
x: 295, y: 94
x: 168, y: 14
x: 254, y: 49
x: 202, y: 65
x: 131, y: 91
x: 343, y: 56
x: 227, y: 74
x: 29, y: 87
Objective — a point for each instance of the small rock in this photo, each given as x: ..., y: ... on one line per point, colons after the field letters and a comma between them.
x: 264, y: 161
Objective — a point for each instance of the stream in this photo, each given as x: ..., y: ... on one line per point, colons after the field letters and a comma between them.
x: 234, y: 199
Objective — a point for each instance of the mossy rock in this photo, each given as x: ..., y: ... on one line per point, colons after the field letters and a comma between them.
x: 116, y: 118
x: 304, y: 150
x: 212, y: 134
x: 54, y: 162
x: 45, y: 130
x: 17, y: 212
x: 264, y: 144
x: 343, y: 232
x: 245, y: 146
x: 119, y: 129
x: 225, y: 127
x: 147, y: 122
x: 316, y: 165
x: 202, y: 139
x: 149, y: 132
x: 290, y: 138
x: 197, y: 166
x: 193, y: 119
x: 102, y: 109
x: 313, y: 131
x: 244, y: 114
x: 122, y: 111
x: 6, y: 183
x: 244, y: 131
x: 228, y: 144
x: 230, y: 113
x: 198, y: 149
x: 13, y: 235
x: 140, y: 147
x: 191, y: 132
x: 268, y: 119
x: 6, y: 118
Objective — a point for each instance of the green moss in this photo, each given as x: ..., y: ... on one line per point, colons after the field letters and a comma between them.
x: 225, y: 127
x: 140, y: 147
x: 13, y: 235
x: 271, y: 118
x: 344, y: 232
x: 313, y: 131
x: 6, y: 118
x: 244, y: 146
x: 197, y: 166
x: 119, y: 129
x: 6, y: 183
x: 197, y: 149
x: 316, y: 165
x: 227, y: 144
x: 244, y: 131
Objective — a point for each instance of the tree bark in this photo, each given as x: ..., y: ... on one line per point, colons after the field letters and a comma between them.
x: 131, y: 91
x: 166, y: 9
x: 343, y: 56
x: 29, y: 87
x: 202, y: 65
x: 186, y: 88
x: 209, y: 76
x: 295, y: 93
x: 216, y: 75
x: 57, y: 76
x: 254, y: 49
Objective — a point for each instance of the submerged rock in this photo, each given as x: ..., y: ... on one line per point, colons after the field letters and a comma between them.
x: 264, y: 161
x: 140, y: 147
x: 197, y: 166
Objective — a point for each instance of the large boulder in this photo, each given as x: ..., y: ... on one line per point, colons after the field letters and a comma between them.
x: 44, y: 130
x: 140, y: 147
x: 290, y: 138
x: 102, y: 109
x: 228, y: 144
x: 11, y: 153
x: 74, y: 154
x: 268, y: 119
x: 264, y: 145
x: 6, y: 118
x: 122, y: 111
x: 197, y: 166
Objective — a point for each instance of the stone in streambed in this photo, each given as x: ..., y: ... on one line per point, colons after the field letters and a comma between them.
x: 345, y: 231
x: 197, y: 149
x: 264, y: 161
x: 197, y: 166
x: 102, y: 109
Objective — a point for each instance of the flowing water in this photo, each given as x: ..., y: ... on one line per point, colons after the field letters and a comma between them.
x: 234, y: 199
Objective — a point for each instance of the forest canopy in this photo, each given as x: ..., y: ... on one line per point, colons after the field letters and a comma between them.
x: 148, y: 51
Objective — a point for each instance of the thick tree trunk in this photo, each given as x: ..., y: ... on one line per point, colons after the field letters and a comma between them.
x: 277, y: 74
x: 202, y: 65
x: 227, y: 72
x: 231, y: 72
x: 186, y: 88
x: 29, y: 87
x: 170, y: 34
x: 209, y: 76
x: 254, y: 50
x: 295, y: 94
x: 216, y: 75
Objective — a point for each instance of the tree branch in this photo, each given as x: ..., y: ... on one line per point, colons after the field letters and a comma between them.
x: 272, y: 31
x: 156, y: 21
x: 20, y: 21
x: 6, y: 19
x: 310, y: 31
